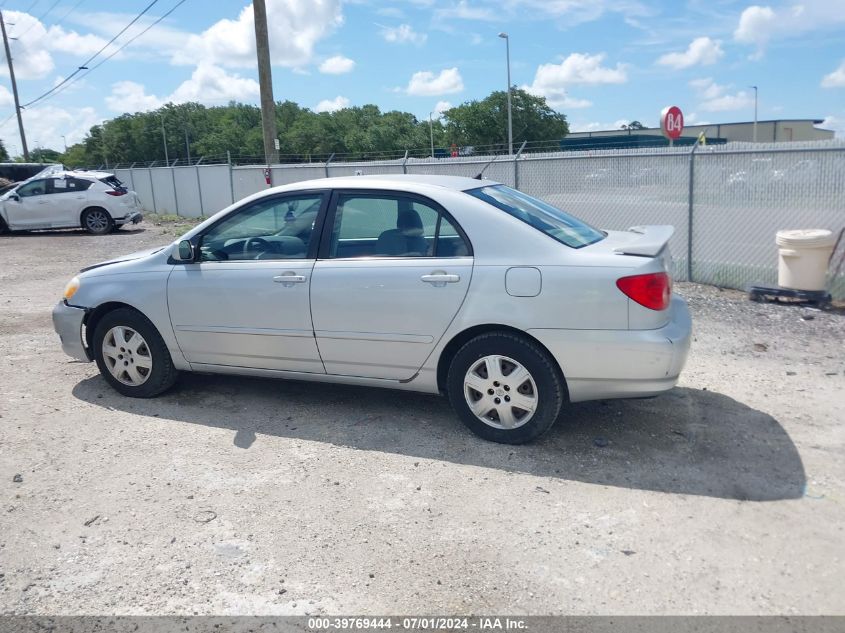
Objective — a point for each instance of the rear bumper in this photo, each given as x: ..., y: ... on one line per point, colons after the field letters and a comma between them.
x: 602, y: 364
x: 67, y: 321
x: 133, y: 216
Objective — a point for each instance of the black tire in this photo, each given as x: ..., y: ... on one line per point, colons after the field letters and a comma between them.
x: 159, y: 378
x: 550, y: 386
x: 4, y: 228
x: 97, y: 221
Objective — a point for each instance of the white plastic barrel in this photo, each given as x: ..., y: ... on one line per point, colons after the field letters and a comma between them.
x: 802, y: 258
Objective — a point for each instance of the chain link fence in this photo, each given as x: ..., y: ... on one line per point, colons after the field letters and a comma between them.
x: 726, y: 202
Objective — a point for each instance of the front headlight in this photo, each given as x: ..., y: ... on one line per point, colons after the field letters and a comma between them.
x: 71, y: 288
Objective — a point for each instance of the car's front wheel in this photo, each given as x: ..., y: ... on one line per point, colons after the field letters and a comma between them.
x: 131, y: 354
x: 97, y: 221
x: 505, y: 387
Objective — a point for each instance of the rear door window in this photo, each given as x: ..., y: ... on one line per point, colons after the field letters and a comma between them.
x: 392, y: 225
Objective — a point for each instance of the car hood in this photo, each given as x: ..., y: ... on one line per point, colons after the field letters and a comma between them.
x: 125, y: 258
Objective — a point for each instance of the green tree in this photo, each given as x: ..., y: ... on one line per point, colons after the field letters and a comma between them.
x: 4, y: 153
x: 485, y: 122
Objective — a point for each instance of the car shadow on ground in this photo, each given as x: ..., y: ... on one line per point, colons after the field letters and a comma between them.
x: 72, y: 232
x: 687, y: 441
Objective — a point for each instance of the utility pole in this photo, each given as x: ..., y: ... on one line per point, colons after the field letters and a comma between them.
x: 14, y: 88
x: 187, y: 146
x: 265, y: 82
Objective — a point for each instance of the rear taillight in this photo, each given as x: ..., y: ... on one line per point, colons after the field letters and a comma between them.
x: 116, y: 193
x: 653, y: 290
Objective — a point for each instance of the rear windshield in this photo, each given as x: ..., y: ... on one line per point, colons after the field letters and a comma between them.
x: 561, y: 226
x: 114, y: 183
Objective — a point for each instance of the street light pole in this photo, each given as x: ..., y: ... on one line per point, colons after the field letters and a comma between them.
x: 164, y: 140
x: 431, y: 132
x: 64, y: 140
x: 507, y: 39
x: 755, y: 113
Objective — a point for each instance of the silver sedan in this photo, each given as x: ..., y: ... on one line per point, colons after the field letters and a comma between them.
x: 509, y: 306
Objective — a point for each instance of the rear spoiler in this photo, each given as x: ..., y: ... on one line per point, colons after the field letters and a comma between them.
x: 654, y: 238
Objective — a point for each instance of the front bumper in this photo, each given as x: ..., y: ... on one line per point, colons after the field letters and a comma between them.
x: 67, y: 321
x: 600, y: 364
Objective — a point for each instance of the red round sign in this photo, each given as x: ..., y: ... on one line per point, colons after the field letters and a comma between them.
x: 672, y: 122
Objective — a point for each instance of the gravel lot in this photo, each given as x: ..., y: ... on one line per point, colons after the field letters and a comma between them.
x: 249, y: 496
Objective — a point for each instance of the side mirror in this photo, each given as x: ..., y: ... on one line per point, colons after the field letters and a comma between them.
x: 15, y: 197
x: 184, y: 252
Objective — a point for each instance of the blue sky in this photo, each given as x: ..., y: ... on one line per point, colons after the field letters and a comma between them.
x: 601, y: 62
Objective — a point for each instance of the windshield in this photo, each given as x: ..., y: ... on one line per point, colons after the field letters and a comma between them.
x: 550, y: 220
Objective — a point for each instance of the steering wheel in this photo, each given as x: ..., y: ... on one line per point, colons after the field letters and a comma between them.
x: 258, y: 244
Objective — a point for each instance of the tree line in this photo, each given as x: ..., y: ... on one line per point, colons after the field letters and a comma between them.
x: 356, y: 132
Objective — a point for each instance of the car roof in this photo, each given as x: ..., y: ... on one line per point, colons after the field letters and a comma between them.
x: 393, y: 182
x: 82, y: 173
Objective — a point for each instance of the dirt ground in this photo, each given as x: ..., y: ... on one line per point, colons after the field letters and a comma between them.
x: 250, y: 496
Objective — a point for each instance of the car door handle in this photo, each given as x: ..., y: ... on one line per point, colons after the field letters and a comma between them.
x: 440, y: 279
x: 288, y: 279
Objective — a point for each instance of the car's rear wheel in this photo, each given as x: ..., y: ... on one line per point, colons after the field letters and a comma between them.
x: 505, y: 387
x: 4, y: 228
x: 97, y: 221
x: 131, y: 354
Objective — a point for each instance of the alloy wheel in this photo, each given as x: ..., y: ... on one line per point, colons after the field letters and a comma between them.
x: 500, y: 392
x: 127, y: 356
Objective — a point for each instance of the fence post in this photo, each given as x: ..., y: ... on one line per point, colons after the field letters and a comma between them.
x: 132, y: 178
x: 691, y: 195
x: 231, y: 180
x: 405, y: 163
x: 173, y: 179
x: 152, y: 188
x: 516, y: 165
x: 199, y: 186
x: 327, y: 164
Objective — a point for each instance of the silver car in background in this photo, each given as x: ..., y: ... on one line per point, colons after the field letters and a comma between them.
x: 435, y: 284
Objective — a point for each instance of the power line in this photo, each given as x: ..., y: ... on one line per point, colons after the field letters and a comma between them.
x: 84, y: 64
x: 132, y: 39
x: 40, y: 18
x: 122, y: 46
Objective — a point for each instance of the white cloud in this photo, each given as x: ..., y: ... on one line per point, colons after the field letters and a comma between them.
x: 6, y: 98
x: 211, y: 84
x: 716, y: 98
x: 129, y: 96
x: 834, y: 123
x: 332, y: 105
x: 701, y: 51
x: 580, y: 68
x: 836, y: 79
x: 33, y: 52
x: 463, y: 10
x: 758, y: 25
x: 426, y: 83
x: 574, y: 12
x: 208, y: 84
x: 337, y: 65
x: 45, y: 126
x: 441, y: 107
x: 294, y: 30
x: 403, y: 34
x: 552, y: 81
